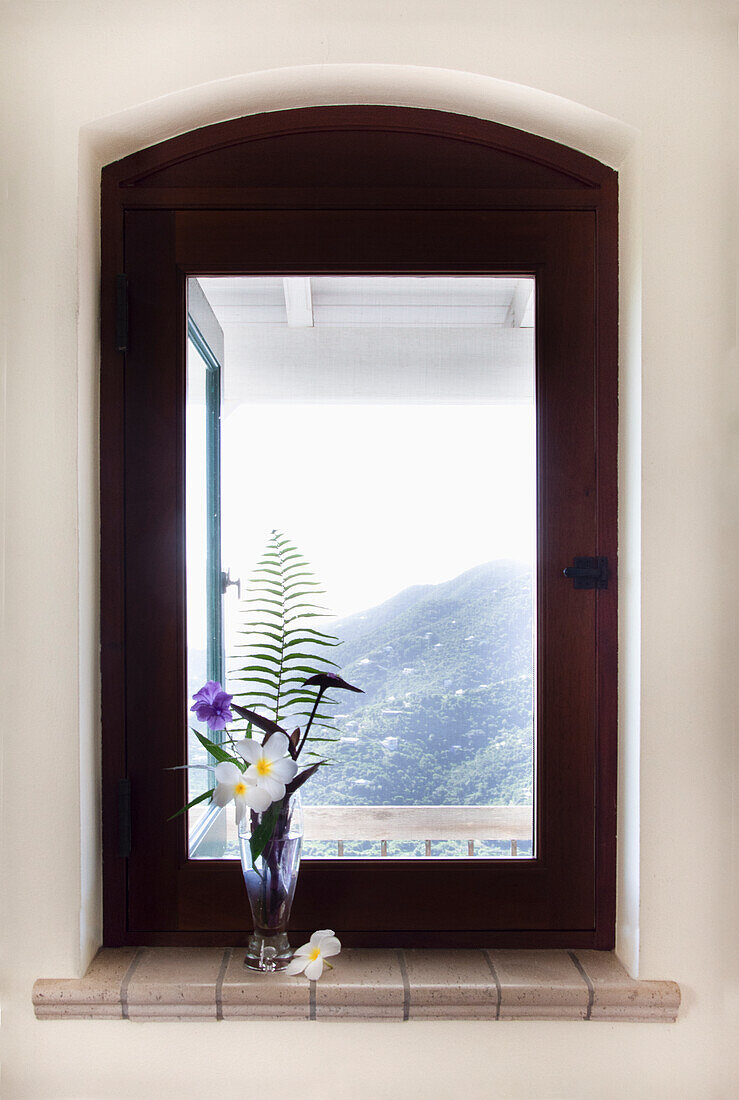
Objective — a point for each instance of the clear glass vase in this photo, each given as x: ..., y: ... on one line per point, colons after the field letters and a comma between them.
x: 270, y: 885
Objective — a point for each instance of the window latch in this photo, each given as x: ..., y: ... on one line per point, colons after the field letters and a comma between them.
x: 227, y: 582
x: 588, y: 573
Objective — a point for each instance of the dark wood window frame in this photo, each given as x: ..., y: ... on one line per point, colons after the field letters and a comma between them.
x: 351, y: 190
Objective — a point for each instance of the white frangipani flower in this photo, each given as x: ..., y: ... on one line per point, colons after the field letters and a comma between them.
x: 232, y: 783
x: 309, y: 958
x: 271, y: 768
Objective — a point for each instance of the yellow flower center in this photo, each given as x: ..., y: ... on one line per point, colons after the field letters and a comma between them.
x: 315, y: 953
x: 240, y: 788
x: 264, y: 767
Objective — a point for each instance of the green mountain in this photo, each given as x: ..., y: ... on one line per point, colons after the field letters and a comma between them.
x: 447, y: 712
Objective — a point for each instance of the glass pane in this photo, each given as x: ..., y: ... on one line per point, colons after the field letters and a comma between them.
x: 386, y: 425
x: 196, y: 535
x: 204, y: 631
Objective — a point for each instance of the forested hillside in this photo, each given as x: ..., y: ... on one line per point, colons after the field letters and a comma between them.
x: 447, y: 712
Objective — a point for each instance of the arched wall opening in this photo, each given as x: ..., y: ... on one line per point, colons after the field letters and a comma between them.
x: 528, y: 110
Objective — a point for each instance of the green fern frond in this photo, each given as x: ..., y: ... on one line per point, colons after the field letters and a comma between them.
x: 279, y: 651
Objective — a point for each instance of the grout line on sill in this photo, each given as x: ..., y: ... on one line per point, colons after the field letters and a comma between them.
x: 406, y: 985
x: 219, y: 981
x: 589, y: 984
x: 496, y: 979
x: 127, y: 978
x: 312, y: 1002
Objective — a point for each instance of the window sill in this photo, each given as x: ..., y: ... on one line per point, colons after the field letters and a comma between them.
x: 173, y: 983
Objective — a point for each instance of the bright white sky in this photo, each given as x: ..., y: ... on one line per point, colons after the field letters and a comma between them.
x: 378, y: 498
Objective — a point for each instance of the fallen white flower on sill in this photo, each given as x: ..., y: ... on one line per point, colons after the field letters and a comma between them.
x: 309, y: 958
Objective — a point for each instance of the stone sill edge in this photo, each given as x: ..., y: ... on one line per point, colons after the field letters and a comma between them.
x: 182, y: 983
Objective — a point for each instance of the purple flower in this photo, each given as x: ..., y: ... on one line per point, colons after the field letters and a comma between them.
x: 212, y: 706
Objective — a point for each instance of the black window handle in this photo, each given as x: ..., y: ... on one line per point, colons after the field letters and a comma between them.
x: 588, y: 573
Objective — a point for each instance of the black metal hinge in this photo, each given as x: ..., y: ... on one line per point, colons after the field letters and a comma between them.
x: 588, y: 573
x: 124, y: 818
x: 121, y: 313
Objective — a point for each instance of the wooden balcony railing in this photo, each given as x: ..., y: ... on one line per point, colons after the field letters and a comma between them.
x: 342, y: 824
x: 513, y: 824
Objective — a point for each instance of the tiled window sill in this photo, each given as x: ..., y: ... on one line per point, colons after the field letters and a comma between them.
x: 174, y: 983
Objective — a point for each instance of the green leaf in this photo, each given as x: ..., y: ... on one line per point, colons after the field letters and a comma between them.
x: 215, y: 750
x: 261, y: 835
x: 309, y: 630
x: 266, y: 587
x: 263, y: 633
x: 194, y: 802
x: 321, y: 719
x: 291, y: 675
x: 294, y: 571
x: 259, y: 673
x: 262, y: 696
x: 259, y: 696
x: 308, y: 656
x: 316, y: 606
x: 257, y: 680
x: 268, y: 663
x: 310, y: 669
x: 261, y: 657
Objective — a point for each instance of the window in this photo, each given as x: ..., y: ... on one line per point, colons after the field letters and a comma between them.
x: 411, y: 401
x: 354, y: 201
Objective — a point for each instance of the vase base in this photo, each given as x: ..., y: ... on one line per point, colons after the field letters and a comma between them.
x: 268, y: 953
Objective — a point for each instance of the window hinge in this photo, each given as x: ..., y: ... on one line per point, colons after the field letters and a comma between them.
x: 124, y: 818
x: 121, y: 313
x: 588, y: 573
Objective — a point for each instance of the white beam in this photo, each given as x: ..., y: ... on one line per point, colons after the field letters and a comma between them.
x: 521, y: 310
x: 298, y: 301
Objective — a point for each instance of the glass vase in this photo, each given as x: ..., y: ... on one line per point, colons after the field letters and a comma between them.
x: 270, y: 885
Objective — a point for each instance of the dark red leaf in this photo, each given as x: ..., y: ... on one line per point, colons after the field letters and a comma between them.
x: 326, y: 680
x: 258, y: 720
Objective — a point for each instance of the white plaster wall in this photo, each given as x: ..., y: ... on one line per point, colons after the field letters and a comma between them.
x: 648, y: 87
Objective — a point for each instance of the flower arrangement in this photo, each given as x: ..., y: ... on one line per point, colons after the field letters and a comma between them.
x: 261, y: 771
x: 255, y: 775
